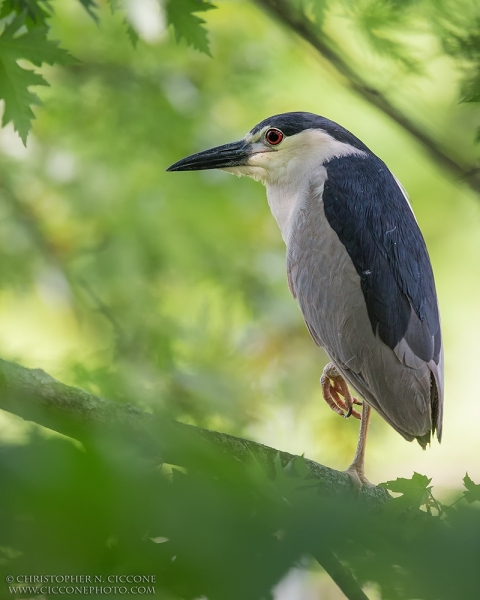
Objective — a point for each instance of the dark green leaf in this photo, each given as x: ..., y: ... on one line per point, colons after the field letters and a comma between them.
x: 314, y: 10
x: 187, y: 26
x: 471, y: 89
x: 407, y: 486
x: 379, y: 22
x: 318, y: 8
x: 90, y: 6
x: 415, y: 492
x: 33, y: 12
x: 14, y: 84
x: 132, y: 35
x: 15, y: 80
x: 473, y: 490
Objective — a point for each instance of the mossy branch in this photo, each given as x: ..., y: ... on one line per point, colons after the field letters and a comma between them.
x: 36, y: 396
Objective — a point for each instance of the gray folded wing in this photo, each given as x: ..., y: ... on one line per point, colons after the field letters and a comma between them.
x: 401, y: 378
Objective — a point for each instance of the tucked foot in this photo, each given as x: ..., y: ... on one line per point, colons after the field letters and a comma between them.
x: 333, y: 387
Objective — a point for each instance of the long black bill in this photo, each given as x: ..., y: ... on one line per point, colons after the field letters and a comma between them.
x: 228, y: 155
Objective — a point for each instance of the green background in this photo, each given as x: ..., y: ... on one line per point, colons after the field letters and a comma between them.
x: 168, y: 290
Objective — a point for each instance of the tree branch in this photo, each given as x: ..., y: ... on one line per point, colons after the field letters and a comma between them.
x: 326, y: 47
x: 340, y: 574
x: 36, y: 396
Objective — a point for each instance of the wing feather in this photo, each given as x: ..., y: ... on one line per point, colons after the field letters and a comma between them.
x: 377, y: 319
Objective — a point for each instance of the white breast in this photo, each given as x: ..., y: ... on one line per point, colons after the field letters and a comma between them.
x: 287, y: 198
x: 297, y: 171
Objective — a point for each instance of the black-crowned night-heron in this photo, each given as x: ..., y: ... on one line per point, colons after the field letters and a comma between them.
x: 357, y: 264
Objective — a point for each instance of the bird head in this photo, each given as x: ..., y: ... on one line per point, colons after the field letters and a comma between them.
x: 282, y: 145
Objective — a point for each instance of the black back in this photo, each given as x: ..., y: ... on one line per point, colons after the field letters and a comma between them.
x: 366, y: 208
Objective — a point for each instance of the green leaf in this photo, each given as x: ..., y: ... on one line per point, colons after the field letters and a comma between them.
x: 473, y: 490
x: 187, y: 26
x: 415, y: 492
x: 132, y: 34
x: 318, y: 9
x: 34, y: 12
x: 15, y: 81
x: 470, y: 91
x: 293, y: 481
x: 379, y: 21
x: 314, y: 10
x: 407, y: 486
x: 90, y: 6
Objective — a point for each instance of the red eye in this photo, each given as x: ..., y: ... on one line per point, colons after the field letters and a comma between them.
x: 274, y: 136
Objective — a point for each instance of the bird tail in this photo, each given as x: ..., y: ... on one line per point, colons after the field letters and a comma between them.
x: 426, y: 438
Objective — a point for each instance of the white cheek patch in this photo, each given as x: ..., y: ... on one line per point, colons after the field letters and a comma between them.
x: 291, y: 161
x: 255, y: 173
x: 257, y: 165
x: 295, y: 156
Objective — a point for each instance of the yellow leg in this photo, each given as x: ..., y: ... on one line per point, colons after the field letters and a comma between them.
x: 357, y: 469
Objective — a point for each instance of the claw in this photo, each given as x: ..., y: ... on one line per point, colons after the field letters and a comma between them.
x: 334, y: 386
x: 351, y: 410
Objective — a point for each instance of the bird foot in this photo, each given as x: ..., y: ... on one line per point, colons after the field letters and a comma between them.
x: 334, y: 386
x: 357, y: 477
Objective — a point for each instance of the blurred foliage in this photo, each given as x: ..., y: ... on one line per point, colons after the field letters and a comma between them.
x: 24, y: 37
x: 385, y: 26
x: 169, y: 292
x: 219, y: 531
